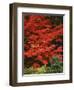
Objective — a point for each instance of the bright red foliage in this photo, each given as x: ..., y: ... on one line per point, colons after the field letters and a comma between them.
x: 42, y: 39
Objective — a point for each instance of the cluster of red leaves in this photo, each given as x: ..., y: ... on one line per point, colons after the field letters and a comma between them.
x: 42, y: 39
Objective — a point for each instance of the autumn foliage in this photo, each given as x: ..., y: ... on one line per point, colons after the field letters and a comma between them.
x: 43, y: 40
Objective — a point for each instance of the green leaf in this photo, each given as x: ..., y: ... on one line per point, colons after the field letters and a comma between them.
x: 55, y: 59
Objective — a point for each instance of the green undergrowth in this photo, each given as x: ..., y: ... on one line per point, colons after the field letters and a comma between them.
x: 57, y: 67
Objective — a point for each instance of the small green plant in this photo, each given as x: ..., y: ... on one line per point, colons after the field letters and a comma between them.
x: 42, y: 69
